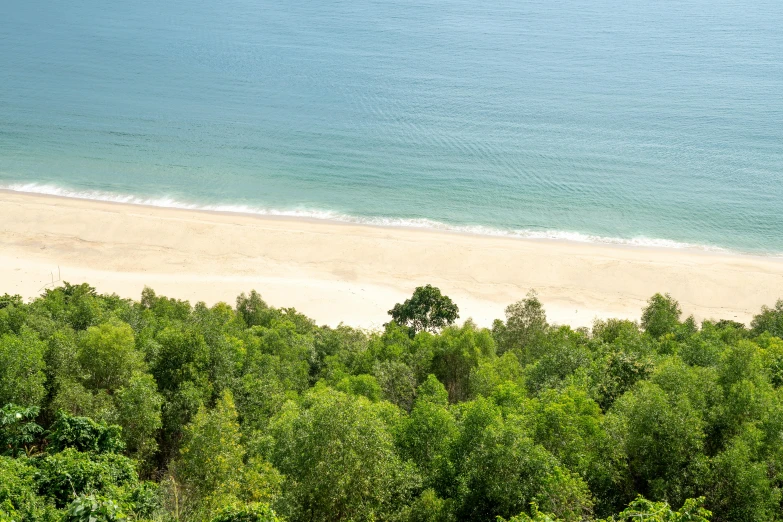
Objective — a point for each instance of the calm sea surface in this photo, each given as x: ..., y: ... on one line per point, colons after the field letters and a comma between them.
x: 656, y: 122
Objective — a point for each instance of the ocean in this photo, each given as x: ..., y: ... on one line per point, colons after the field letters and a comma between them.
x: 647, y: 123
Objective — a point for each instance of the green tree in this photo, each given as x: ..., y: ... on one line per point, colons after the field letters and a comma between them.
x: 427, y: 310
x: 524, y: 329
x: 457, y: 351
x: 565, y: 353
x: 569, y: 424
x: 108, y: 354
x: 642, y: 509
x: 254, y: 310
x: 211, y: 458
x: 13, y: 314
x: 616, y: 373
x: 364, y: 384
x: 769, y: 320
x: 138, y: 407
x: 338, y: 458
x: 500, y: 470
x: 18, y: 492
x: 739, y: 488
x: 663, y: 439
x: 22, y: 369
x: 426, y: 435
x: 661, y: 315
x: 397, y: 381
x: 491, y: 373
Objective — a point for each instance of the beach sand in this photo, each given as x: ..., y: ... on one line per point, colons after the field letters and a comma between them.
x: 347, y: 273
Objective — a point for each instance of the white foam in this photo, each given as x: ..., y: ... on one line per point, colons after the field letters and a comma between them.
x: 168, y: 202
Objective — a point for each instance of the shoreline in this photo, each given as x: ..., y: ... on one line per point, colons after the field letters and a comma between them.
x: 331, y: 217
x: 353, y: 273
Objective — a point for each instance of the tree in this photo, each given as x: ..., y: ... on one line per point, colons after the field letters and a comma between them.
x: 662, y: 438
x: 108, y: 354
x: 84, y: 434
x: 457, y: 351
x: 739, y: 488
x: 138, y: 412
x: 617, y: 373
x: 254, y: 310
x: 493, y: 372
x: 427, y: 310
x: 19, y: 499
x: 21, y: 369
x: 425, y: 436
x: 338, y: 458
x: 661, y: 315
x: 501, y: 471
x: 769, y: 320
x: 642, y: 509
x: 210, y: 462
x: 568, y: 424
x: 397, y: 381
x: 564, y: 353
x: 524, y: 329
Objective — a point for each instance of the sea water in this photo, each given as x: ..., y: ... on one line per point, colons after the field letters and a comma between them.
x: 643, y: 122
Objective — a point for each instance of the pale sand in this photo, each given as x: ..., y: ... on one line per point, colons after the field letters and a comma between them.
x: 353, y: 274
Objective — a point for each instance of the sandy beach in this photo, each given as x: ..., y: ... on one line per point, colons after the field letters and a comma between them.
x: 337, y: 272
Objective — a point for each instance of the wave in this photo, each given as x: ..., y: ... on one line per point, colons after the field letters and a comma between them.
x: 328, y: 215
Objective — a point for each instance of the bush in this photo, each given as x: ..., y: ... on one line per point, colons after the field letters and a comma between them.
x: 71, y: 473
x: 249, y: 513
x: 84, y: 434
x: 93, y: 508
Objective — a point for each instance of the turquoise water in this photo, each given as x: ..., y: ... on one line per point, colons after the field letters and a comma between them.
x: 604, y: 120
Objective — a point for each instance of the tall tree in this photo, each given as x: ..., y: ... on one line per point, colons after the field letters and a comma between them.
x: 661, y: 315
x: 427, y: 310
x: 338, y: 459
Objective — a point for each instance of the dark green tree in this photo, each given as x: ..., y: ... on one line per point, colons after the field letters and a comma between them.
x: 661, y: 315
x: 426, y: 311
x: 769, y: 320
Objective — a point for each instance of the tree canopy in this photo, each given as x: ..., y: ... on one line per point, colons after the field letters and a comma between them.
x: 163, y: 410
x: 426, y: 311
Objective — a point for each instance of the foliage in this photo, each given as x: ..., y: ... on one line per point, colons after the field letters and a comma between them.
x: 661, y: 316
x: 643, y: 509
x: 338, y: 459
x: 211, y: 457
x: 249, y: 513
x: 770, y: 320
x: 107, y: 353
x: 138, y: 406
x: 69, y: 473
x: 426, y: 311
x: 93, y: 508
x: 84, y: 434
x: 524, y: 329
x: 21, y: 369
x: 159, y: 410
x: 18, y: 430
x: 19, y: 498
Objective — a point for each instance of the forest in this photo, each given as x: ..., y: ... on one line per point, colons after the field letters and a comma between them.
x: 160, y: 410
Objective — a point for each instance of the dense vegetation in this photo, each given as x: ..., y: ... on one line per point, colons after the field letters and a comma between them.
x: 159, y: 410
